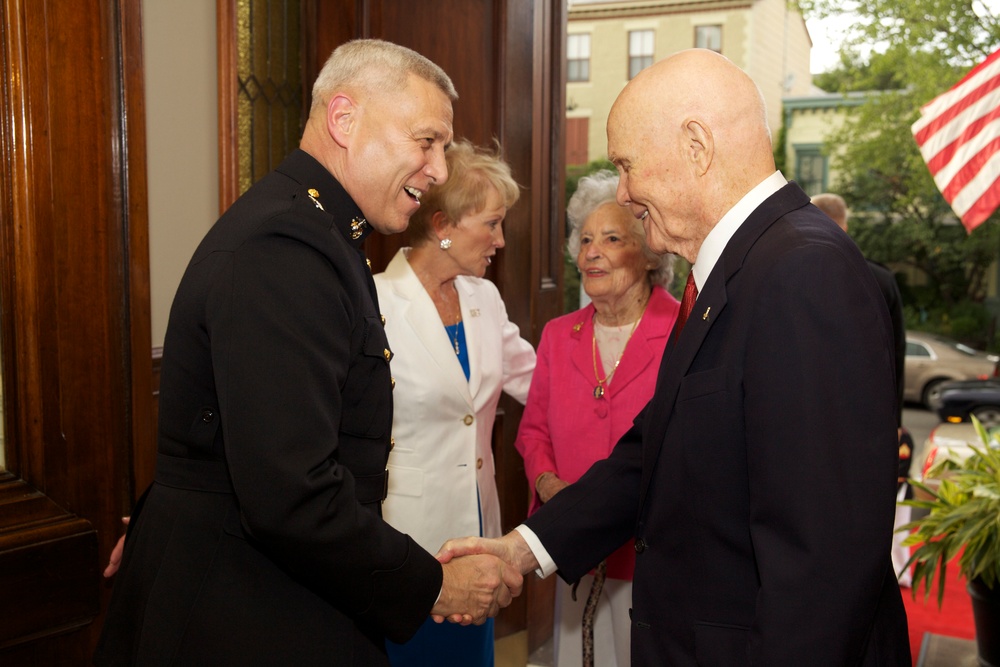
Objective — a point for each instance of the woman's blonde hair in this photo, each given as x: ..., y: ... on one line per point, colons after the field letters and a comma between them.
x: 472, y: 171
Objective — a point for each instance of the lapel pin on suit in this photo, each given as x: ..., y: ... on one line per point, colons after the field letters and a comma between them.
x: 357, y: 227
x: 314, y: 195
x: 705, y: 315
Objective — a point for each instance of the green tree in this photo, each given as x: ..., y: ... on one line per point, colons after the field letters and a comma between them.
x: 905, y: 53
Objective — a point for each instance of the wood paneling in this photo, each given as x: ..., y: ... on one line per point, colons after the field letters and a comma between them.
x: 75, y: 321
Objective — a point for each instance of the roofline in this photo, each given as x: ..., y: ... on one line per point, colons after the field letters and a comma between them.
x: 608, y: 10
x: 827, y: 101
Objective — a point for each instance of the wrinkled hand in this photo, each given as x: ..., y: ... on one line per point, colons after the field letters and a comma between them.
x: 475, y: 588
x: 549, y: 485
x: 116, y: 554
x: 511, y: 549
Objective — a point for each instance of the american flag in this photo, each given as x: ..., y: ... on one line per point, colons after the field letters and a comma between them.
x: 959, y: 137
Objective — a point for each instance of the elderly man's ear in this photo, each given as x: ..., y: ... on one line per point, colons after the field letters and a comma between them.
x: 699, y: 145
x: 341, y: 118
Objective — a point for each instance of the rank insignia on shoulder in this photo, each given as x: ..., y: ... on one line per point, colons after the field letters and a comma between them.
x: 314, y: 194
x: 357, y: 227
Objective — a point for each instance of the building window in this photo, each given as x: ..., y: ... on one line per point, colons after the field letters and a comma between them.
x: 708, y: 37
x: 578, y: 57
x: 640, y: 51
x: 270, y: 114
x: 810, y: 170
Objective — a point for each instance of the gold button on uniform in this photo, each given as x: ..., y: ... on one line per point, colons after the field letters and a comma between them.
x: 392, y: 382
x: 392, y: 443
x: 387, y: 354
x: 369, y: 263
x: 313, y: 192
x: 468, y: 420
x: 383, y: 319
x: 479, y: 464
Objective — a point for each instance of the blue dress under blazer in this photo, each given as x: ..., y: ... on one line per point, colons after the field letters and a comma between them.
x: 775, y: 405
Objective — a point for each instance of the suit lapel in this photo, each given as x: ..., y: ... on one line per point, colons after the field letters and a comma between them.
x: 582, y: 335
x: 472, y: 320
x: 641, y: 349
x: 421, y: 315
x: 682, y: 350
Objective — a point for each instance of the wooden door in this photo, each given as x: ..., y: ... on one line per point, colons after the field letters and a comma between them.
x: 74, y: 315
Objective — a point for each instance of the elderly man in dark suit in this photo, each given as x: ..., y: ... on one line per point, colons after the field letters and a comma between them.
x: 758, y: 482
x: 261, y: 540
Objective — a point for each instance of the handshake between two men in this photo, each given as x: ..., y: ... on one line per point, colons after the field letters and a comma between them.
x: 482, y: 575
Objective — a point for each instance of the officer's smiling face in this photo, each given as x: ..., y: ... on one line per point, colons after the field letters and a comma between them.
x: 399, y: 153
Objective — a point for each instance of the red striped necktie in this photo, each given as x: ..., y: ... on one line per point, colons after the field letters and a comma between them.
x: 687, y: 303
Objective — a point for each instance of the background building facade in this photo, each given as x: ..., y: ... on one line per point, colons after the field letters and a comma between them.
x: 610, y: 41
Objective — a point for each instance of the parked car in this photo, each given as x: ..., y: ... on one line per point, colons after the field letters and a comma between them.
x: 959, y: 400
x: 932, y: 360
x: 947, y: 441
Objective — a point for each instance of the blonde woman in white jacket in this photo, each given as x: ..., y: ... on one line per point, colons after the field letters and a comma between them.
x: 455, y: 350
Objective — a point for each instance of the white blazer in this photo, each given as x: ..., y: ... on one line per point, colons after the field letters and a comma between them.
x: 442, y: 424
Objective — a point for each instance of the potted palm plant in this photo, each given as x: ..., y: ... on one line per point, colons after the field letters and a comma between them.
x: 963, y: 520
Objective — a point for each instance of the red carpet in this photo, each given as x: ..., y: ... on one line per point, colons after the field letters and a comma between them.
x: 953, y: 619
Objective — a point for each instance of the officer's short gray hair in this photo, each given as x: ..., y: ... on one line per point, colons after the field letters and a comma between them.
x: 375, y: 66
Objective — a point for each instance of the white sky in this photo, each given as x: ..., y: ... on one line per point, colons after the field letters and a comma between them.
x: 827, y: 35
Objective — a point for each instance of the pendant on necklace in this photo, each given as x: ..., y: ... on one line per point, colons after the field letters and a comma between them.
x: 599, y: 391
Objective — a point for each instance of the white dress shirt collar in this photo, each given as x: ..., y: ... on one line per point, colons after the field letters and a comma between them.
x: 717, y: 239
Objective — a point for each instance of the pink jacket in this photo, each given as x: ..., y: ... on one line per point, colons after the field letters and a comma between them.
x: 564, y: 428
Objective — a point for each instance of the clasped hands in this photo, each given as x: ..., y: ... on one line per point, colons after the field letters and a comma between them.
x: 481, y: 577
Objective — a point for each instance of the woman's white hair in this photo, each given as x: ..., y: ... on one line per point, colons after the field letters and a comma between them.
x: 599, y: 188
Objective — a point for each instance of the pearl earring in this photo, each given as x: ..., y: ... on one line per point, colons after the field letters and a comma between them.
x: 445, y: 244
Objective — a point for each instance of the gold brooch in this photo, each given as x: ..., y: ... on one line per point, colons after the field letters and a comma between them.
x: 313, y: 194
x: 357, y: 227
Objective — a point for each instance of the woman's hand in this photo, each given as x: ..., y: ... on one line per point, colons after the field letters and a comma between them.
x: 547, y: 485
x: 116, y: 554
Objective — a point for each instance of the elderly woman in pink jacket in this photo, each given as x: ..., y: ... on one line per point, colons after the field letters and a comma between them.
x: 596, y: 369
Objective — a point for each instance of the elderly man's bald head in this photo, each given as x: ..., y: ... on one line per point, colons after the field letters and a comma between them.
x: 689, y: 136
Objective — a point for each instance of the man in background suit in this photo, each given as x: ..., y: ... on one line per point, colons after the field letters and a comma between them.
x: 836, y: 208
x: 758, y: 482
x: 261, y: 539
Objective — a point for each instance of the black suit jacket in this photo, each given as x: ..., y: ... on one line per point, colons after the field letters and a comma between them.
x: 894, y: 301
x: 261, y: 541
x: 759, y: 480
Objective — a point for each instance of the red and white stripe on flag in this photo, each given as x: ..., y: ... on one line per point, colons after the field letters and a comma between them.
x: 959, y: 138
